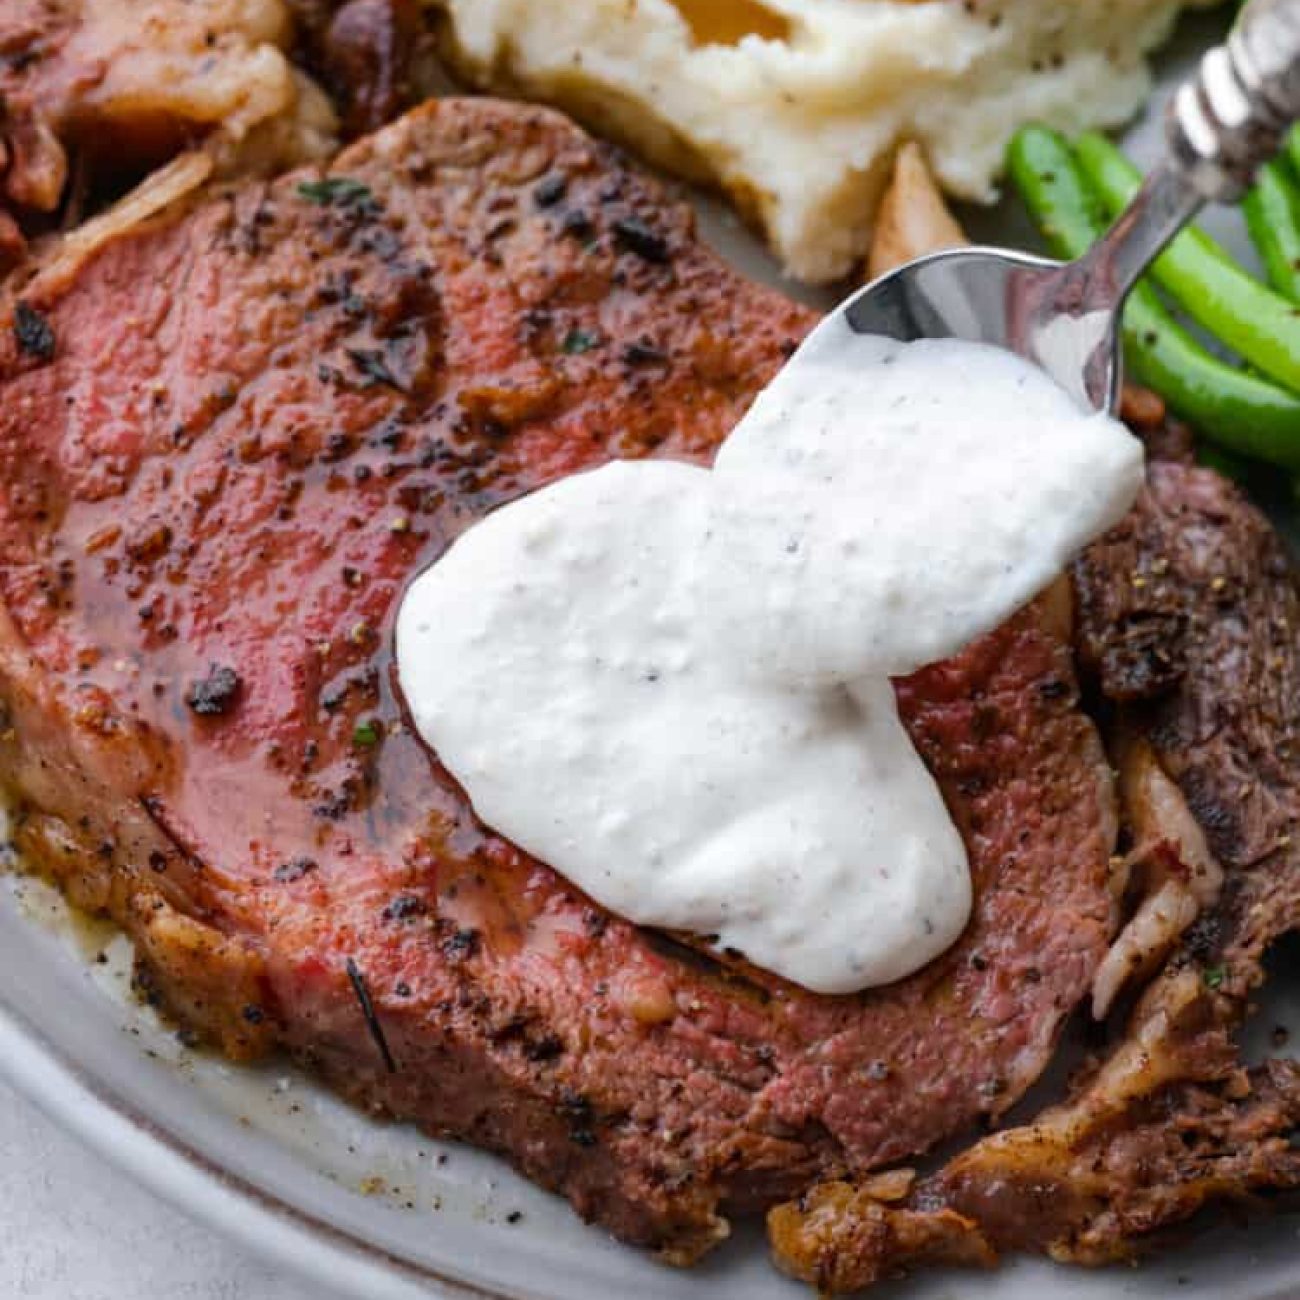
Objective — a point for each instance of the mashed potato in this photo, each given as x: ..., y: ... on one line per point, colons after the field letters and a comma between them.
x: 795, y: 106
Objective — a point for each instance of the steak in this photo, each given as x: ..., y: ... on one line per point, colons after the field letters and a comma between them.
x: 1187, y: 625
x: 229, y: 437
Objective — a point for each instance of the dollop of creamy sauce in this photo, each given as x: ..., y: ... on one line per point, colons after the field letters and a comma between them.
x: 672, y: 684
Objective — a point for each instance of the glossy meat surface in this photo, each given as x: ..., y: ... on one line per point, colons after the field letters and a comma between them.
x: 228, y: 439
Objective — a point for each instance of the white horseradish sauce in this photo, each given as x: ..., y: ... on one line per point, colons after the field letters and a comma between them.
x: 672, y: 684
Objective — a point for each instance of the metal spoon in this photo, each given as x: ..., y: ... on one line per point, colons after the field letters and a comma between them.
x: 1223, y: 124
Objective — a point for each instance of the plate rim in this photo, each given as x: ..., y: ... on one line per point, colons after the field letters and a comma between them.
x: 108, y: 1123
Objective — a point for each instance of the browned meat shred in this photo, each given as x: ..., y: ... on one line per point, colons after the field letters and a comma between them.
x: 365, y: 53
x: 99, y: 91
x: 1187, y: 619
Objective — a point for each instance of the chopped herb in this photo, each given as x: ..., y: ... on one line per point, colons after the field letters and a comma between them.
x: 365, y: 735
x: 33, y: 332
x: 577, y: 225
x: 342, y: 191
x: 1213, y: 976
x: 332, y: 697
x: 214, y: 694
x: 358, y: 982
x: 545, y: 1048
x: 581, y: 1117
x: 337, y: 447
x: 577, y: 341
x: 461, y: 945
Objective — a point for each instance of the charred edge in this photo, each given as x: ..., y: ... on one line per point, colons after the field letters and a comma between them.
x: 358, y: 983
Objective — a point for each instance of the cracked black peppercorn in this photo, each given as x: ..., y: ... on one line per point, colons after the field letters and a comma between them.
x: 550, y: 189
x: 404, y: 907
x: 214, y: 694
x: 33, y: 332
x: 295, y: 869
x: 635, y: 236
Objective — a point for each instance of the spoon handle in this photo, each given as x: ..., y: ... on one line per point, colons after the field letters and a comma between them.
x: 1223, y: 125
x: 1230, y: 118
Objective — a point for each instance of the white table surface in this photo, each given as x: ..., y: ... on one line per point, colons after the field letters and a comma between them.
x: 74, y: 1228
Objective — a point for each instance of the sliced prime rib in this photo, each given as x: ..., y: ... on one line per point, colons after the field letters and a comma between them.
x: 1187, y: 624
x: 228, y: 438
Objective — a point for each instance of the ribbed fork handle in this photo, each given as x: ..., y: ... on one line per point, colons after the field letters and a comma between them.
x: 1223, y: 125
x: 1231, y: 117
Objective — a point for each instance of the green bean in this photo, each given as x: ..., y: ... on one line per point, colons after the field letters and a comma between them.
x: 1064, y: 207
x: 1272, y: 209
x: 1260, y: 325
x: 1237, y: 410
x: 1243, y: 413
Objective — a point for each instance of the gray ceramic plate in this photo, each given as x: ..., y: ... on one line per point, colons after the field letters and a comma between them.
x: 382, y: 1213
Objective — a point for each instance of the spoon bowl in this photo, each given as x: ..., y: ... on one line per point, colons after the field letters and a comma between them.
x: 1065, y: 316
x: 991, y: 295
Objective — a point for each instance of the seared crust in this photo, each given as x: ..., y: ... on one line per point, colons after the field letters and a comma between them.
x: 1199, y: 645
x: 1104, y: 1195
x: 255, y: 421
x: 1187, y: 617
